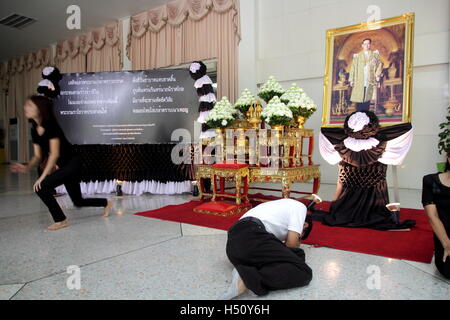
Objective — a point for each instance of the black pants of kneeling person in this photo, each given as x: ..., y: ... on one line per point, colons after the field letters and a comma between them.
x: 264, y: 262
x: 69, y: 176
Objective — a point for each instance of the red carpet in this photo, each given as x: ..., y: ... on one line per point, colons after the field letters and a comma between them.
x: 414, y: 245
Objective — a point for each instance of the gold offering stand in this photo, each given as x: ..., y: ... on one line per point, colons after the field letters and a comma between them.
x: 273, y: 155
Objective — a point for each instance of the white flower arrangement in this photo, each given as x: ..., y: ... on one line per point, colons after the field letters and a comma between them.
x: 302, y: 105
x: 246, y: 99
x: 222, y: 115
x: 276, y: 113
x: 272, y: 85
x: 292, y: 93
x: 270, y: 89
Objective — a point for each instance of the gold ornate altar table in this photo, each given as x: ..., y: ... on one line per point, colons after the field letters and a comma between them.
x: 272, y: 155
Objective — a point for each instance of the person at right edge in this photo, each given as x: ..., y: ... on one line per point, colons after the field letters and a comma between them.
x: 436, y: 202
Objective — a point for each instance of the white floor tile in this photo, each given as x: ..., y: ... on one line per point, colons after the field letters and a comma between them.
x: 132, y: 257
x: 8, y: 291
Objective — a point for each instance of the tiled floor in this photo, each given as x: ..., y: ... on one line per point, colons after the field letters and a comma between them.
x: 130, y: 257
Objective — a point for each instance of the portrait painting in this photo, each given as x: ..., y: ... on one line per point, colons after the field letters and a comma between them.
x: 369, y: 67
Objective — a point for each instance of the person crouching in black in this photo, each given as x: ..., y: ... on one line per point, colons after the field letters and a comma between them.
x: 50, y: 142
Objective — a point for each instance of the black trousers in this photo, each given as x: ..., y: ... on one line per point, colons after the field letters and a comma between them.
x: 264, y: 262
x: 69, y: 176
x: 39, y: 171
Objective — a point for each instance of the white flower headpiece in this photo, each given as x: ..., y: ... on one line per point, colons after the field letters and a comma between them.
x: 358, y: 121
x: 195, y: 66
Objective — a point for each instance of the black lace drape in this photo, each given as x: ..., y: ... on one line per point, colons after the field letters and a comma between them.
x: 131, y: 162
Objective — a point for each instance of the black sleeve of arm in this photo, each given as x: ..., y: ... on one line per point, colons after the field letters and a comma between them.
x: 427, y: 190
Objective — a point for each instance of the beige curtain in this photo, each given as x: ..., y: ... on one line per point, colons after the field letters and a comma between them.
x: 68, y: 58
x: 95, y: 51
x: 24, y: 74
x: 103, y: 47
x: 186, y: 30
x: 4, y: 82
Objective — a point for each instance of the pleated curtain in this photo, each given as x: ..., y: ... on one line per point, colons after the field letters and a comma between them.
x: 176, y: 33
x: 21, y: 77
x: 4, y: 82
x: 95, y: 51
x: 98, y: 50
x: 186, y: 30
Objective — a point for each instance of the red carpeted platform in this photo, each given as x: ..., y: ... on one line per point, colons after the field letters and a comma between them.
x: 415, y: 245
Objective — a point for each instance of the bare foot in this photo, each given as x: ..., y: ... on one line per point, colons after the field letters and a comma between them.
x: 236, y: 288
x: 57, y: 225
x: 107, y: 209
x: 241, y: 286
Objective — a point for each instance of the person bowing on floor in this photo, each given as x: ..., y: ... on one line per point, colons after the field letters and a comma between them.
x: 264, y: 248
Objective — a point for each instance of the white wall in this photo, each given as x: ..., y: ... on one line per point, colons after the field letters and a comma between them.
x: 248, y: 45
x: 290, y: 44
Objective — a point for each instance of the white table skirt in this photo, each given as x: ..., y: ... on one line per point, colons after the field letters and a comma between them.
x: 135, y: 188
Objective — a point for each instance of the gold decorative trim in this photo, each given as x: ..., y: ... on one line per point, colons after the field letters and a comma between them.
x: 259, y: 174
x: 296, y: 174
x: 240, y: 209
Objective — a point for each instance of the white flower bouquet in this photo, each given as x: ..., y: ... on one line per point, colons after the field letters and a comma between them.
x: 222, y: 115
x: 245, y: 101
x: 270, y: 89
x: 292, y: 93
x: 302, y: 106
x: 276, y: 113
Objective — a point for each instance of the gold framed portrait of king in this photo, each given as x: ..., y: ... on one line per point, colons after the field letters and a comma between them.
x: 369, y: 67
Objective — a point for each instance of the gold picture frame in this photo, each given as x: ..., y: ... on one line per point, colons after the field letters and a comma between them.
x: 390, y: 76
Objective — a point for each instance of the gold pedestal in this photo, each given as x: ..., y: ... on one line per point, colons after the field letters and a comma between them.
x: 300, y: 121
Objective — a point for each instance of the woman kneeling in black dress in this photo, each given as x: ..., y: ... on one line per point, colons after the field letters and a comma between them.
x: 436, y: 201
x: 49, y: 141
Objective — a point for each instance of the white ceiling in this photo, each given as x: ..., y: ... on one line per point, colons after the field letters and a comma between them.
x: 51, y: 17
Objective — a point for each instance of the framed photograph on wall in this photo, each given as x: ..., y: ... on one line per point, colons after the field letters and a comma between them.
x: 369, y: 67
